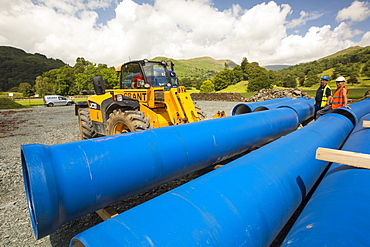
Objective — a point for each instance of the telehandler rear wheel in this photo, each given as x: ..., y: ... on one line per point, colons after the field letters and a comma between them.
x: 128, y: 121
x: 86, y: 127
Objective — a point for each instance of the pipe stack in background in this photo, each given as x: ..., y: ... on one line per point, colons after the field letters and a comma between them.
x: 250, y: 107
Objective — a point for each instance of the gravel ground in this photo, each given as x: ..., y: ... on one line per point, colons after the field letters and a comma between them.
x: 53, y: 126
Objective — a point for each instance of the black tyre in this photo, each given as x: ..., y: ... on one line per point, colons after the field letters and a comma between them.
x: 86, y: 127
x: 128, y: 121
x: 69, y: 104
x: 50, y: 104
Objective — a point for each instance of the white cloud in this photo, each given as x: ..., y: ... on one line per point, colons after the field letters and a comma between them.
x: 365, y: 39
x: 68, y: 29
x: 72, y: 7
x: 303, y: 19
x: 358, y: 11
x: 318, y: 42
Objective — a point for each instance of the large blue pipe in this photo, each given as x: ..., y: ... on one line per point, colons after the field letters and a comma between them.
x: 245, y: 203
x: 250, y: 107
x: 356, y: 112
x: 303, y: 113
x: 338, y: 212
x: 274, y: 105
x: 66, y: 181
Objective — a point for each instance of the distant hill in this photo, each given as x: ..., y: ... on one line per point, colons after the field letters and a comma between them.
x: 17, y: 66
x: 201, y: 67
x: 276, y: 67
x: 343, y: 52
x: 352, y: 63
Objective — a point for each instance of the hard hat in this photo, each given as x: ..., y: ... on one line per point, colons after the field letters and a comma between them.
x: 340, y: 78
x: 325, y: 77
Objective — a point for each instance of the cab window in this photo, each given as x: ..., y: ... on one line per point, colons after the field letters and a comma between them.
x: 155, y: 74
x: 130, y: 72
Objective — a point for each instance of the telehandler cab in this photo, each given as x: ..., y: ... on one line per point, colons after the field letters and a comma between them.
x: 149, y: 97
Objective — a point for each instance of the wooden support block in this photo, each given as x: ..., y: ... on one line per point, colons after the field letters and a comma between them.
x: 106, y: 213
x: 366, y: 124
x: 344, y: 157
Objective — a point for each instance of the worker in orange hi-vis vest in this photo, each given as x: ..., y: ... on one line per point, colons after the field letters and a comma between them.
x: 339, y: 98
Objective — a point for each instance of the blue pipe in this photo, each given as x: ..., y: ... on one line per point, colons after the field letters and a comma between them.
x: 356, y: 112
x: 245, y: 203
x: 249, y: 107
x: 304, y: 113
x: 338, y: 212
x: 66, y: 181
x: 274, y: 105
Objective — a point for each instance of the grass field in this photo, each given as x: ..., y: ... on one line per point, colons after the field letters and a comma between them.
x: 354, y: 92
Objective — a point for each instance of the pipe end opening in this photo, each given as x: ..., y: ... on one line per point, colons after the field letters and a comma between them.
x: 348, y: 114
x: 27, y: 187
x: 241, y: 109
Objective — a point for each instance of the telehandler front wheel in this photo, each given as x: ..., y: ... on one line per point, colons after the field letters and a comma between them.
x: 86, y: 127
x: 128, y: 121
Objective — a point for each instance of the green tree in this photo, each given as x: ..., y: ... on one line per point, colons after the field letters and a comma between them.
x: 26, y: 89
x: 223, y: 79
x: 258, y: 77
x: 207, y: 87
x: 83, y: 80
x: 244, y: 64
x: 226, y: 66
x: 80, y: 65
x: 289, y: 82
x: 258, y: 82
x: 238, y: 73
x: 311, y: 79
x: 197, y: 83
x: 43, y: 86
x: 110, y: 75
x: 64, y: 83
x: 186, y: 82
x: 353, y: 80
x: 366, y: 69
x: 14, y: 89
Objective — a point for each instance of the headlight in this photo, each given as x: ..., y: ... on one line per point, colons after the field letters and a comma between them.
x: 119, y: 97
x: 146, y: 85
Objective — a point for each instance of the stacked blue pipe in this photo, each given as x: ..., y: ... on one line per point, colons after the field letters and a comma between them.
x: 338, y: 212
x: 274, y: 105
x: 245, y: 203
x: 304, y: 114
x: 66, y: 181
x: 250, y: 107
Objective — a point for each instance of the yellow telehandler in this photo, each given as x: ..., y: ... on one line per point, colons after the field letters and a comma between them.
x: 149, y: 97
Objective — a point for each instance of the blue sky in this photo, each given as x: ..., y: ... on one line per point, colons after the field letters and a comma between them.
x: 324, y: 10
x: 112, y: 31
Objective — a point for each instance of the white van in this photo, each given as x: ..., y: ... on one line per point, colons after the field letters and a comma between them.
x: 52, y: 100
